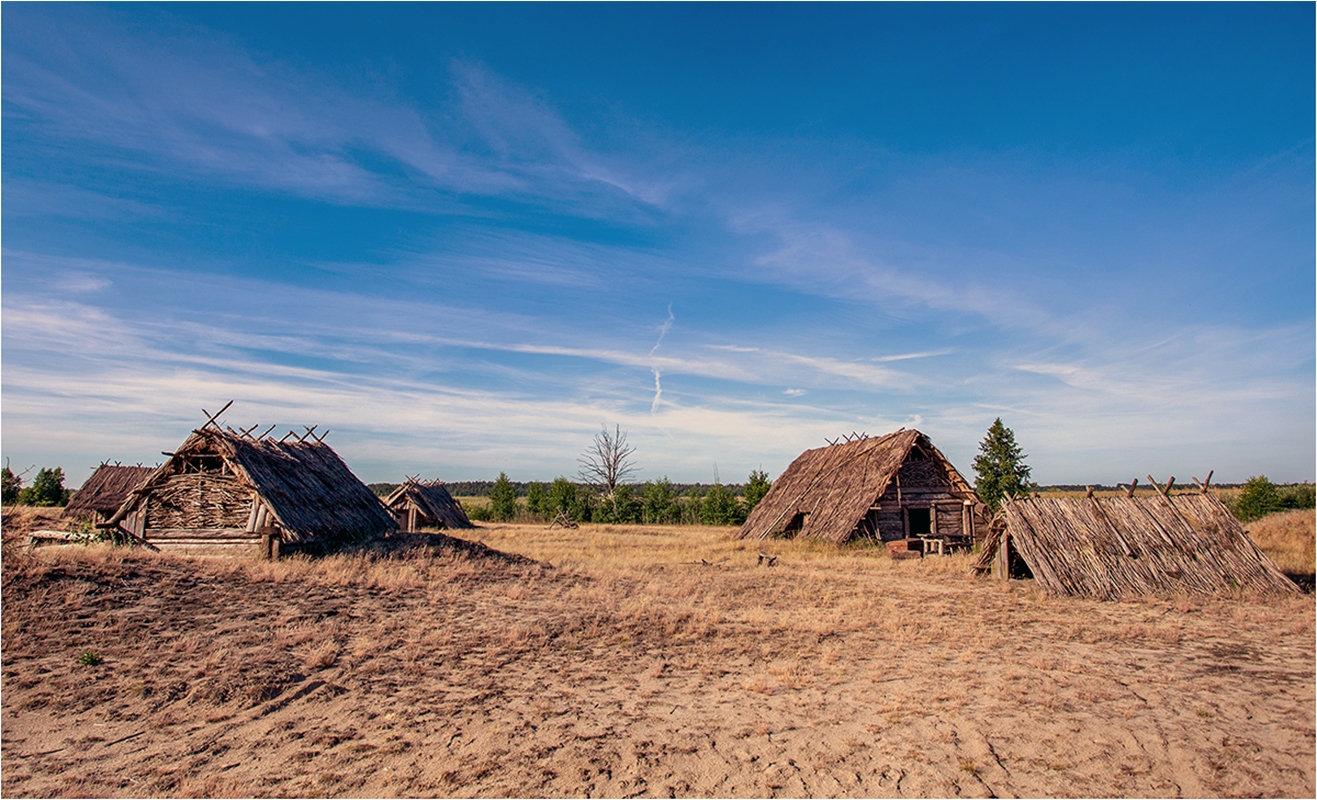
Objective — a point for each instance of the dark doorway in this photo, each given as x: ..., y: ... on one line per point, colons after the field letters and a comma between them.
x: 921, y: 522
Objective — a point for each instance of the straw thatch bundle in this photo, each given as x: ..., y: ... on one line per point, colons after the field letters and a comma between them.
x: 224, y: 485
x: 416, y: 504
x: 106, y: 489
x: 1111, y: 547
x: 864, y: 488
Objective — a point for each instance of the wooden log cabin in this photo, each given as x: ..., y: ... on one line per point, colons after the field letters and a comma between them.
x: 886, y: 488
x: 228, y: 492
x: 425, y: 504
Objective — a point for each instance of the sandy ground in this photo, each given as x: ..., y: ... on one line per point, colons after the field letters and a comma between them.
x: 629, y: 667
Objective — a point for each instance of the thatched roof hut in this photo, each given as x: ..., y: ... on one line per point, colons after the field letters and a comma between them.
x: 884, y: 488
x: 106, y: 489
x: 416, y: 504
x: 1110, y: 547
x: 227, y: 488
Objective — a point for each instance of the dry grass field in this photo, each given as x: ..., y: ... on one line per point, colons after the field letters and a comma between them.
x: 633, y: 661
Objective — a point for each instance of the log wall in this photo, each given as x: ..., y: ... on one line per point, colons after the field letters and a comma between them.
x: 919, y: 483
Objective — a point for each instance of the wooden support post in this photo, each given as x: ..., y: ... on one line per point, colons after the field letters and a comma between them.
x: 411, y: 518
x: 1133, y: 485
x: 1001, y: 565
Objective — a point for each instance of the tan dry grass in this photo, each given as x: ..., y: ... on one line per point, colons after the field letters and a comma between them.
x: 1290, y: 538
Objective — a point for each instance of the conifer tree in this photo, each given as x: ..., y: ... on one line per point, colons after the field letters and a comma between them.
x: 755, y: 489
x: 1000, y: 466
x: 13, y: 484
x: 502, y: 499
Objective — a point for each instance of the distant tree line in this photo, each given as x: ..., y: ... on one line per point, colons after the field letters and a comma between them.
x: 522, y: 488
x: 659, y: 502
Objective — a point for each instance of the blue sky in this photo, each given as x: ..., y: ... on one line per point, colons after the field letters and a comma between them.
x: 462, y: 237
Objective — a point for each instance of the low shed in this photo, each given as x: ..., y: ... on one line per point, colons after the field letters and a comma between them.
x: 1110, y: 547
x: 230, y: 491
x: 416, y: 505
x: 884, y: 488
x: 103, y: 493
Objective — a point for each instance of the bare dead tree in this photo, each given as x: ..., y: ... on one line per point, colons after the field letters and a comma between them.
x: 606, y: 463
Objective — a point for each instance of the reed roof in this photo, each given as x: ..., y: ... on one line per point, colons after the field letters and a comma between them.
x: 836, y: 485
x: 106, y: 489
x: 311, y: 492
x: 433, y: 499
x: 1109, y: 547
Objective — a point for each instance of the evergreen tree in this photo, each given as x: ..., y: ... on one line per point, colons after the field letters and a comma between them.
x: 755, y: 489
x: 1000, y: 466
x: 12, y: 486
x: 1258, y: 499
x: 721, y: 507
x: 502, y: 499
x: 566, y: 496
x: 621, y: 508
x: 660, y: 503
x: 537, y: 500
x: 692, y: 506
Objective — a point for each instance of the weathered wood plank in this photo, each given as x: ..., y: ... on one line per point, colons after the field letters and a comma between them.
x: 201, y: 534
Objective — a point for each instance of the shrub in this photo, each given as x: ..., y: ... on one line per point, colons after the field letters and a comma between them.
x: 567, y: 497
x: 621, y: 508
x: 1257, y: 499
x: 692, y: 506
x: 90, y: 658
x: 721, y: 507
x: 659, y: 501
x: 47, y: 489
x: 1302, y: 495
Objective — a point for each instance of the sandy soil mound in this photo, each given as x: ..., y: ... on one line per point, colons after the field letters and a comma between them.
x: 406, y: 545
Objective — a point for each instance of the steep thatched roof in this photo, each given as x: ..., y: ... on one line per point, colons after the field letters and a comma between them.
x: 311, y: 492
x: 433, y: 499
x: 106, y: 490
x: 837, y: 484
x: 1110, y: 547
